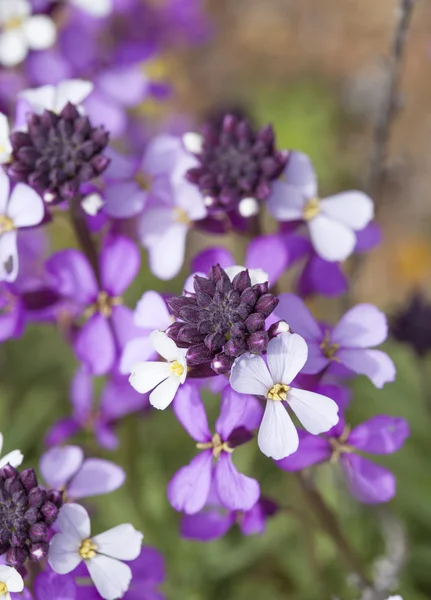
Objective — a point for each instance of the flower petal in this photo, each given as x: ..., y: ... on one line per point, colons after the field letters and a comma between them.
x: 119, y: 265
x: 362, y: 326
x: 237, y: 410
x: 14, y: 459
x: 94, y: 478
x: 71, y: 90
x: 312, y: 450
x: 11, y: 578
x: 58, y: 465
x: 368, y: 482
x: 162, y: 396
x: 235, y: 490
x: 331, y: 239
x: 277, y: 436
x: 110, y: 576
x: 40, y: 32
x: 287, y: 354
x: 163, y: 345
x: 166, y: 257
x: 63, y: 554
x: 382, y: 434
x: 136, y: 351
x: 317, y: 413
x: 152, y: 312
x: 207, y: 525
x: 124, y: 199
x: 74, y: 522
x: 322, y: 277
x: 74, y: 277
x: 216, y: 255
x: 25, y: 206
x: 8, y: 256
x: 293, y: 310
x: 269, y: 253
x: 4, y: 185
x: 123, y: 542
x: 353, y: 209
x: 147, y: 375
x: 13, y: 47
x: 286, y: 202
x: 95, y: 346
x: 190, y: 412
x: 376, y: 365
x: 250, y: 375
x: 189, y: 488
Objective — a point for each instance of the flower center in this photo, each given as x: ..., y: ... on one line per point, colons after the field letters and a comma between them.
x: 181, y: 216
x: 13, y: 23
x: 216, y: 444
x: 329, y: 349
x: 87, y: 549
x: 3, y: 589
x: 6, y: 224
x: 311, y: 209
x: 176, y: 368
x: 339, y: 445
x: 103, y: 305
x: 278, y: 392
x: 143, y: 180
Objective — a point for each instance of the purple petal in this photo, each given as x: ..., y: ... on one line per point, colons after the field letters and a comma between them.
x: 119, y: 265
x: 267, y: 252
x: 297, y: 247
x: 122, y: 321
x: 124, y: 199
x: 190, y: 412
x: 207, y: 525
x: 152, y: 312
x: 210, y: 257
x: 119, y: 399
x: 106, y: 111
x: 74, y: 276
x: 149, y: 567
x: 81, y: 395
x: 253, y: 522
x: 105, y: 436
x: 376, y: 365
x: 95, y: 346
x: 322, y: 277
x: 50, y: 586
x: 138, y: 350
x: 381, y: 434
x: 362, y: 326
x: 368, y: 482
x: 189, y: 488
x: 58, y: 465
x: 128, y: 86
x: 12, y: 315
x: 237, y: 410
x: 368, y: 238
x: 235, y: 490
x: 293, y: 310
x: 96, y: 477
x: 300, y: 172
x: 61, y: 431
x: 312, y: 450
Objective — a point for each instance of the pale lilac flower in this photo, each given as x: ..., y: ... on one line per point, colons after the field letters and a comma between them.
x: 22, y: 31
x: 14, y: 458
x: 190, y: 487
x: 286, y: 356
x: 65, y: 468
x: 368, y: 482
x: 102, y: 553
x: 332, y: 222
x: 151, y: 313
x: 24, y: 208
x: 164, y: 378
x: 10, y: 581
x: 348, y: 344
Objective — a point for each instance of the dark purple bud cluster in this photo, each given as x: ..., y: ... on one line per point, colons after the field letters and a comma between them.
x: 412, y: 325
x: 58, y: 153
x: 222, y: 319
x: 26, y: 513
x: 236, y: 163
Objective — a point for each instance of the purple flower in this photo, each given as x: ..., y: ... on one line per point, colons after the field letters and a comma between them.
x: 189, y: 489
x: 350, y: 343
x: 66, y: 468
x: 214, y: 521
x: 24, y: 208
x: 51, y: 586
x: 368, y: 482
x: 109, y: 324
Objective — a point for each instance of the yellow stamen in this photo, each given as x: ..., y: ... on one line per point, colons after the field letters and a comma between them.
x: 311, y: 209
x: 339, y: 445
x: 216, y: 445
x: 278, y: 392
x: 329, y: 349
x: 6, y: 224
x: 3, y: 589
x: 181, y: 216
x: 103, y: 305
x: 13, y: 23
x: 144, y: 181
x: 87, y: 549
x: 177, y: 368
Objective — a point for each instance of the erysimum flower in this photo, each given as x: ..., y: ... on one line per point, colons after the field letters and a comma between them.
x: 164, y: 378
x: 368, y: 482
x: 332, y: 222
x: 52, y: 97
x: 102, y: 553
x: 20, y: 31
x: 10, y: 581
x: 286, y: 355
x: 24, y: 208
x: 348, y: 344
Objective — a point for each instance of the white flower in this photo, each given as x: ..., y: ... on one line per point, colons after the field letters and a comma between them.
x: 287, y: 354
x: 55, y: 97
x: 164, y: 378
x: 394, y: 598
x: 256, y: 275
x: 14, y: 458
x: 21, y: 31
x: 102, y: 553
x: 10, y: 581
x: 5, y: 145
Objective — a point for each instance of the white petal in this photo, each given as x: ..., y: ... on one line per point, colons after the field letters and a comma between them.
x: 164, y: 393
x: 287, y: 354
x: 40, y: 98
x: 26, y: 207
x: 193, y: 142
x: 63, y: 554
x: 5, y: 145
x: 354, y: 209
x: 111, y: 577
x: 4, y: 191
x: 317, y: 413
x: 248, y: 207
x: 277, y: 436
x: 1, y: 442
x: 11, y: 578
x: 250, y: 375
x: 332, y: 240
x: 256, y: 275
x: 92, y: 203
x: 72, y: 90
x: 74, y: 522
x: 167, y: 254
x: 40, y: 32
x: 163, y: 345
x: 98, y: 8
x: 122, y: 542
x: 13, y: 47
x: 145, y: 376
x: 14, y: 458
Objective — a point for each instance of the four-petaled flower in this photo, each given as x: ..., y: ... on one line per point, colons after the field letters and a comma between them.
x: 10, y: 581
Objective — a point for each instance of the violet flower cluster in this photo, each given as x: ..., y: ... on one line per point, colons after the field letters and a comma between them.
x: 232, y: 332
